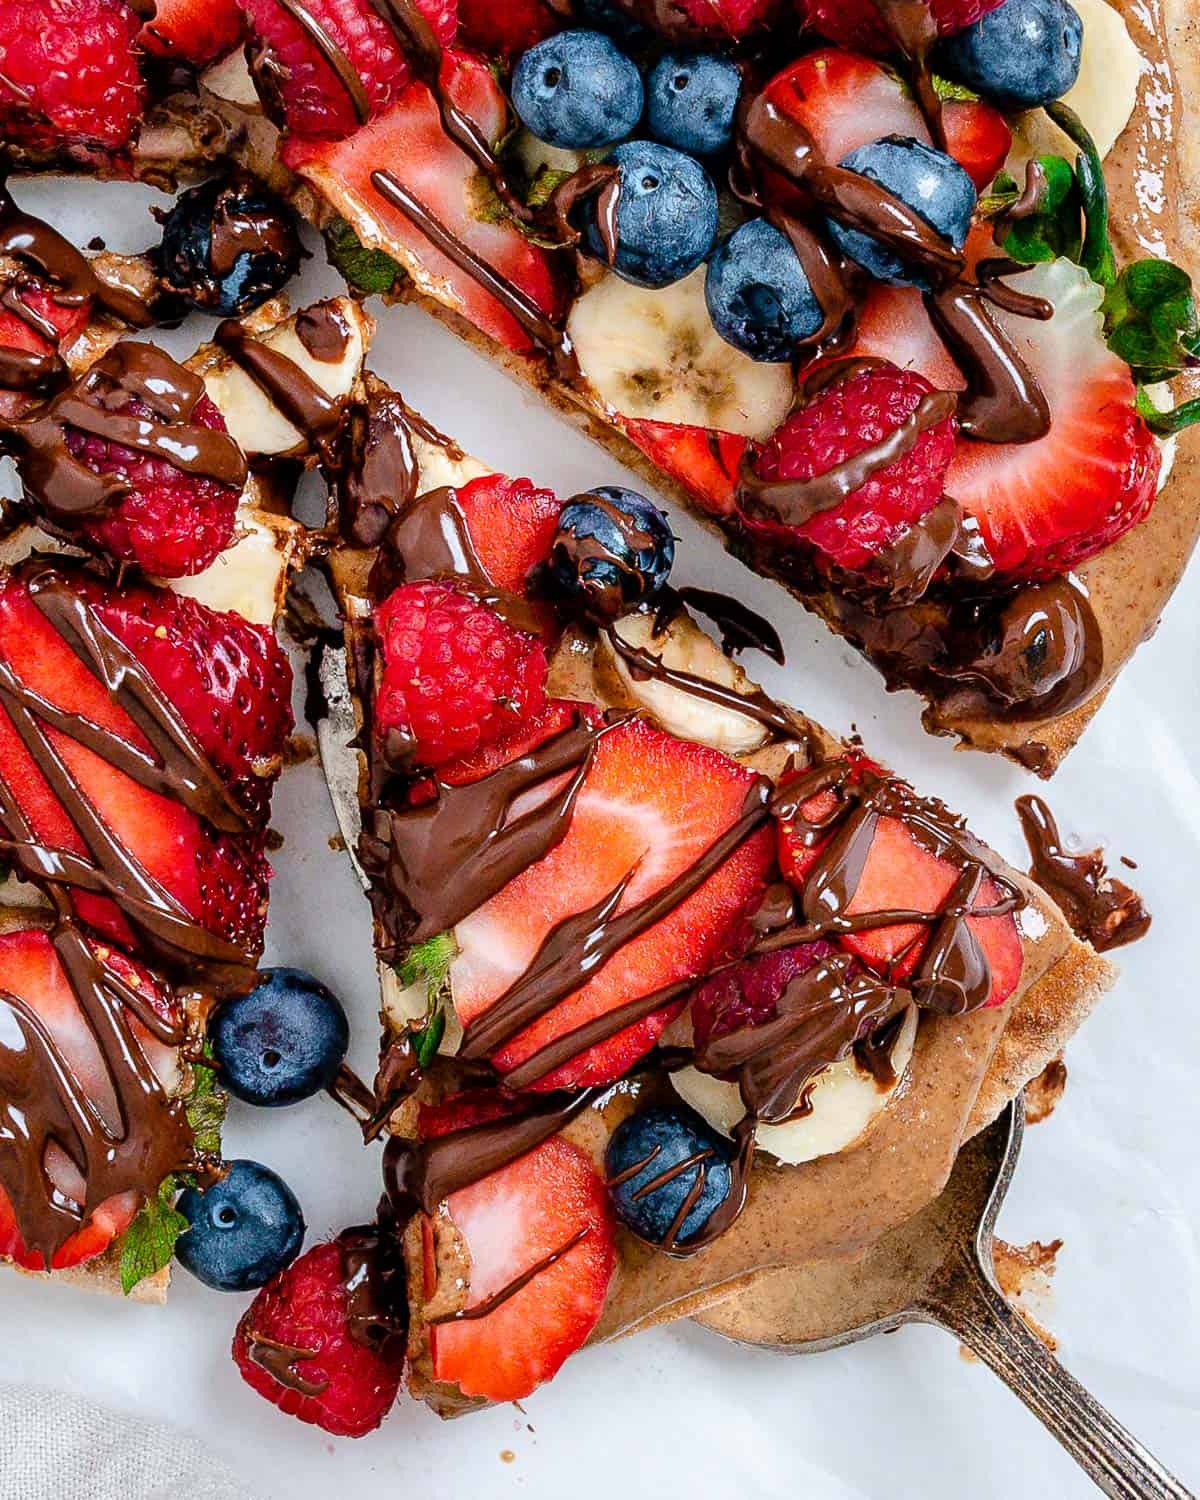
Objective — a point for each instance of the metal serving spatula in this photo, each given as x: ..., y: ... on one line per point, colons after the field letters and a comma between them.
x: 938, y: 1268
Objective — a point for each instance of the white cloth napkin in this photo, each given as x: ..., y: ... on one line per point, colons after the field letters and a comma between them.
x: 57, y: 1447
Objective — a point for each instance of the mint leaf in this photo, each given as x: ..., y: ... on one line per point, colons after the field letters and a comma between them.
x: 949, y: 92
x: 1096, y: 255
x: 206, y: 1109
x: 543, y: 185
x: 1151, y: 322
x: 1167, y: 423
x: 366, y: 271
x: 1055, y: 227
x: 428, y: 962
x: 149, y: 1242
x: 429, y: 1038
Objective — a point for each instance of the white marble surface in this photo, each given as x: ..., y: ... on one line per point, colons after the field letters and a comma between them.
x: 678, y: 1411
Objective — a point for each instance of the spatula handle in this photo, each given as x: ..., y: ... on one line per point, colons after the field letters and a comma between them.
x: 969, y: 1304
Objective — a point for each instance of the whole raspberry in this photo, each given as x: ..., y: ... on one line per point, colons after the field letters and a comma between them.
x: 844, y: 419
x: 170, y: 523
x: 857, y: 23
x: 748, y: 993
x: 69, y: 73
x: 456, y: 676
x: 333, y: 1381
x: 315, y: 100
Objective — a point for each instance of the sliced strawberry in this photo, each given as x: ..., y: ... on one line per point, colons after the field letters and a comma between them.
x: 220, y: 880
x: 901, y: 873
x: 505, y: 30
x: 844, y: 100
x: 978, y: 137
x: 408, y: 141
x: 30, y: 970
x: 1043, y: 506
x: 704, y: 461
x: 511, y: 525
x: 193, y: 31
x: 650, y: 807
x: 551, y: 1202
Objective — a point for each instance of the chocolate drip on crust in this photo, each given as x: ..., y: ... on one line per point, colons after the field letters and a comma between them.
x: 1102, y: 910
x: 62, y: 489
x: 376, y: 1304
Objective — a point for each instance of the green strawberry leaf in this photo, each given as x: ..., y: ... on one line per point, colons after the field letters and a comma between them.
x: 149, y: 1242
x: 1096, y: 255
x: 367, y: 271
x: 543, y: 185
x: 1056, y: 225
x: 1167, y: 423
x: 1151, y: 322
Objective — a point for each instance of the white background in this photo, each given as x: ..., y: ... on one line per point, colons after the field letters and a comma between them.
x: 678, y: 1411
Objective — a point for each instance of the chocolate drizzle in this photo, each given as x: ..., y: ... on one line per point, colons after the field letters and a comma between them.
x: 297, y: 395
x: 577, y: 946
x: 433, y: 864
x: 510, y: 1289
x: 540, y: 327
x: 41, y: 1098
x: 54, y: 261
x: 135, y: 395
x: 280, y: 1360
x: 793, y: 502
x: 755, y: 704
x: 1102, y: 910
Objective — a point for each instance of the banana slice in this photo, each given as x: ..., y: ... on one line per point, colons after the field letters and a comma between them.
x: 846, y: 1102
x: 1104, y: 94
x: 252, y: 418
x: 531, y: 155
x: 684, y: 647
x: 654, y: 355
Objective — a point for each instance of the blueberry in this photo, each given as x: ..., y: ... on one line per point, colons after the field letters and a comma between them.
x: 690, y: 101
x: 243, y: 1228
x: 611, y: 550
x: 640, y: 1155
x: 758, y: 296
x: 577, y: 89
x: 282, y: 1042
x: 929, y: 181
x: 666, y: 214
x: 1024, y: 54
x: 227, y: 246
